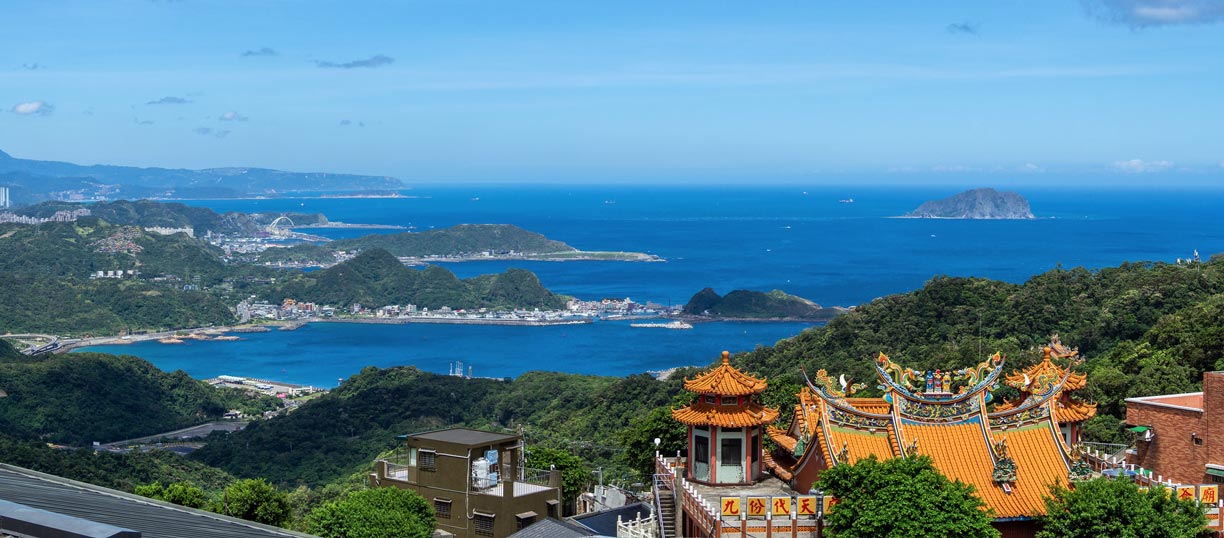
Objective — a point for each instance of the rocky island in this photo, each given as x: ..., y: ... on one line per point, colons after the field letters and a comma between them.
x: 756, y: 305
x: 975, y: 204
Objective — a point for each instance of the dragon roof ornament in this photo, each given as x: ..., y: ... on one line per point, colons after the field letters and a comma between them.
x: 897, y: 378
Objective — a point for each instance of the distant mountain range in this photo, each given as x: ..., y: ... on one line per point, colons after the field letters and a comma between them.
x: 976, y: 204
x: 31, y: 181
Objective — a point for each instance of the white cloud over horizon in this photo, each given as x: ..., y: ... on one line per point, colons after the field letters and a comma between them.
x: 40, y: 108
x: 1144, y: 13
x: 1140, y: 166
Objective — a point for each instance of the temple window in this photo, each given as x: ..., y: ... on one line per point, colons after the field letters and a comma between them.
x: 730, y: 400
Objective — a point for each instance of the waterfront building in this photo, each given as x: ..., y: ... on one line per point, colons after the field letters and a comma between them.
x: 474, y: 480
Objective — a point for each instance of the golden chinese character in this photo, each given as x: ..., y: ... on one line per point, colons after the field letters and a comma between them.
x: 807, y: 506
x: 730, y: 506
x: 781, y: 506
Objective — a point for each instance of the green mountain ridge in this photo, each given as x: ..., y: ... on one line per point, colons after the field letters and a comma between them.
x: 746, y: 304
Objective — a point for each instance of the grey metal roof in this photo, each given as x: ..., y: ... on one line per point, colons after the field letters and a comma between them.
x: 465, y: 436
x: 604, y: 521
x: 554, y: 528
x: 154, y: 519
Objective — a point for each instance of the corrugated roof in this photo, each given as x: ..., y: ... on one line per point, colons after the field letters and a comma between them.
x: 725, y: 380
x: 464, y: 436
x: 154, y: 519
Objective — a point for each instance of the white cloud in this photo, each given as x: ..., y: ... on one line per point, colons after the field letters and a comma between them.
x: 40, y: 108
x: 232, y: 116
x: 1140, y: 166
x: 1141, y: 13
x: 952, y: 168
x: 1030, y: 168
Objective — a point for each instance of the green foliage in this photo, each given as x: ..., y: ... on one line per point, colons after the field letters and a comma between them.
x: 901, y: 498
x: 1116, y: 508
x: 340, y: 432
x: 376, y: 278
x: 180, y: 493
x: 638, y: 440
x: 117, y: 471
x: 84, y: 397
x: 255, y: 500
x: 575, y: 477
x: 374, y: 513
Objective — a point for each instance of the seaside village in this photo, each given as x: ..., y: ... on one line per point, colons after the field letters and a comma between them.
x: 751, y: 471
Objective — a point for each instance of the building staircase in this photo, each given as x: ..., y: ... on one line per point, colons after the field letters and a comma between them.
x: 665, y: 506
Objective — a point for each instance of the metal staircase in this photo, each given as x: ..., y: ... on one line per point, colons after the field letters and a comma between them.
x: 665, y: 506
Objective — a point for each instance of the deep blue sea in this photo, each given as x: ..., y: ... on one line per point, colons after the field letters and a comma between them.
x: 794, y: 238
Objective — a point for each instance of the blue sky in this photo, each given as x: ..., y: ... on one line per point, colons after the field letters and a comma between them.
x: 1005, y: 92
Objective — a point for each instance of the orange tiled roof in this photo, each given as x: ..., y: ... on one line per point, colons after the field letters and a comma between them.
x: 870, y: 405
x: 780, y: 437
x: 725, y: 416
x: 859, y: 443
x: 783, y: 470
x: 726, y: 380
x: 1073, y: 411
x: 1039, y: 463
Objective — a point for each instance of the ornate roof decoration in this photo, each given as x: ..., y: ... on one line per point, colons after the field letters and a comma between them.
x: 936, y: 386
x: 1041, y: 379
x: 839, y: 388
x: 725, y: 380
x: 1004, y: 464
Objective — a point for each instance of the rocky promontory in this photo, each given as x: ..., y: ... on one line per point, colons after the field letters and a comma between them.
x: 976, y: 204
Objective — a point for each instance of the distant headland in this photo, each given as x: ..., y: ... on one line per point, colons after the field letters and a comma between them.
x: 756, y: 305
x: 975, y: 204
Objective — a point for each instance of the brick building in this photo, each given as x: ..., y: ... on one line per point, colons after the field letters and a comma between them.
x: 1181, y: 436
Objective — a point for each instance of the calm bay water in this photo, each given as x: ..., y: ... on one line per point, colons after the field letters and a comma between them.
x: 798, y: 239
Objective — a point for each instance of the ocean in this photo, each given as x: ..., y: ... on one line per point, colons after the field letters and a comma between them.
x: 802, y: 240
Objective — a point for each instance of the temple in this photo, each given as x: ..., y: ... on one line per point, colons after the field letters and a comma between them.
x: 1010, y: 455
x: 724, y: 426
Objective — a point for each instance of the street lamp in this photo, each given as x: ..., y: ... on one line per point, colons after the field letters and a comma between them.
x: 819, y: 512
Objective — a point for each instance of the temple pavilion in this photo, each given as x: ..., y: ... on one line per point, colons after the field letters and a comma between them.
x: 725, y: 422
x: 1011, y: 455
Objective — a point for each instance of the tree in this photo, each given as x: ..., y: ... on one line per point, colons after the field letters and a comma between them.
x: 180, y: 493
x: 574, y: 474
x: 901, y: 498
x: 255, y: 500
x: 1108, y: 507
x: 374, y: 513
x: 638, y: 439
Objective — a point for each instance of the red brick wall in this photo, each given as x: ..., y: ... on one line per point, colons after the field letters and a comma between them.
x: 1213, y: 408
x: 1172, y: 453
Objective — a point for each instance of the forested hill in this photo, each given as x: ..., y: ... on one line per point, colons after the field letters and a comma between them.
x: 149, y: 213
x: 746, y: 304
x: 976, y: 204
x: 376, y: 278
x: 85, y: 397
x: 33, y: 181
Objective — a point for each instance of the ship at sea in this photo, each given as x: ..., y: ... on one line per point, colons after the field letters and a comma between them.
x: 670, y: 325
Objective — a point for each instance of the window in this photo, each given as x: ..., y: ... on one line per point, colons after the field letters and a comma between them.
x: 412, y: 455
x: 701, y: 449
x: 442, y: 508
x: 1217, y: 479
x: 427, y: 460
x: 484, y: 524
x: 730, y: 400
x: 731, y: 452
x: 710, y: 399
x: 1198, y: 440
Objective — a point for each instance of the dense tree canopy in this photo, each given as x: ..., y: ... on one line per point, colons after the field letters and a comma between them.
x: 901, y: 498
x: 254, y: 499
x: 374, y: 513
x: 1117, y: 508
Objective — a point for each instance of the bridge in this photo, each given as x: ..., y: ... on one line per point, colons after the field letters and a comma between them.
x: 51, y: 345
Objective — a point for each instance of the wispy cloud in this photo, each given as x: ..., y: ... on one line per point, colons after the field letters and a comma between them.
x: 962, y: 28
x: 1143, y: 13
x: 33, y: 108
x: 378, y: 60
x: 209, y: 131
x: 139, y: 121
x: 346, y: 123
x: 169, y: 100
x: 33, y: 67
x: 262, y: 51
x: 232, y: 116
x: 1140, y: 166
